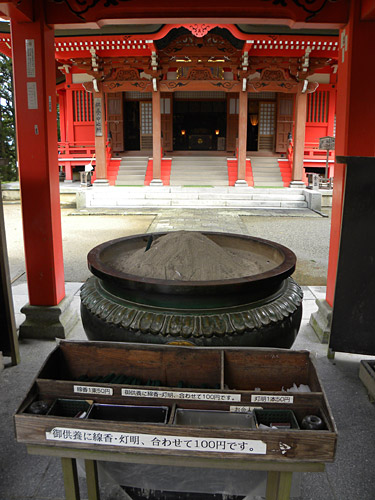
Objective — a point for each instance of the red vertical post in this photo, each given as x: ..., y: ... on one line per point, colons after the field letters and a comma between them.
x: 69, y: 109
x: 35, y: 102
x: 156, y: 137
x: 331, y: 112
x: 100, y: 139
x: 68, y: 171
x: 355, y: 116
x: 62, y: 110
x: 242, y: 138
x: 299, y: 138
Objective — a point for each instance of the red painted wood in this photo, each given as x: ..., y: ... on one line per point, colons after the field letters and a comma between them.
x: 368, y: 10
x: 331, y: 15
x: 38, y: 168
x: 70, y: 137
x: 299, y: 136
x: 249, y: 174
x: 112, y: 170
x: 149, y: 172
x: 355, y: 117
x: 242, y: 134
x: 165, y: 175
x: 62, y: 108
x: 101, y: 142
x: 156, y: 134
x: 286, y: 172
x: 232, y: 171
x: 166, y: 166
x: 232, y: 165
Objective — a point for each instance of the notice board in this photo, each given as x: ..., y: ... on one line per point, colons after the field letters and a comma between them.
x: 353, y: 318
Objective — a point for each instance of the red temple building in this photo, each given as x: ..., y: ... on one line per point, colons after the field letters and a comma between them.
x: 253, y: 96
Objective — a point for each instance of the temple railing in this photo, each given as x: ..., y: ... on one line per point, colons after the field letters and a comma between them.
x: 75, y: 149
x: 312, y: 152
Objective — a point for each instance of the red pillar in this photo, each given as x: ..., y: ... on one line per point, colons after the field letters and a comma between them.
x: 68, y: 171
x: 156, y: 138
x: 299, y: 138
x: 35, y: 100
x: 62, y: 110
x: 100, y: 139
x: 69, y: 109
x: 355, y: 134
x: 242, y: 138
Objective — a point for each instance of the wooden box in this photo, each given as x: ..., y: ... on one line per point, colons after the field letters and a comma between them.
x: 176, y: 377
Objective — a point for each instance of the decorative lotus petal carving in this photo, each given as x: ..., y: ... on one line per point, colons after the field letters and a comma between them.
x: 196, y: 323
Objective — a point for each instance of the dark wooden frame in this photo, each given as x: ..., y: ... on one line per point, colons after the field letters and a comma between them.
x: 236, y: 371
x: 8, y: 332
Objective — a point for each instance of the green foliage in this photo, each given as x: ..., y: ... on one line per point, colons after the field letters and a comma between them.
x: 8, y: 168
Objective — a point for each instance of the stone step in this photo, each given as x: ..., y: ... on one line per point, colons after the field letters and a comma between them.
x: 195, y: 203
x: 131, y: 180
x: 264, y: 180
x: 127, y: 171
x: 198, y: 182
x: 199, y: 165
x: 266, y: 173
x: 270, y: 184
x: 197, y: 175
x: 260, y: 161
x: 199, y: 158
x: 265, y: 169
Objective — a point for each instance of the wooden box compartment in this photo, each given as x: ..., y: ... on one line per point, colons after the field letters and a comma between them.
x: 168, y: 367
x: 129, y: 413
x: 269, y: 370
x: 233, y: 373
x: 213, y: 418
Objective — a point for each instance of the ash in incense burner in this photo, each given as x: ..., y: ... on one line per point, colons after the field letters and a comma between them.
x: 190, y: 287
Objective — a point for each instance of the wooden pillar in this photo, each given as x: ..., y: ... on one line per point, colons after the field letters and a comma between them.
x: 69, y: 109
x: 242, y: 139
x: 299, y: 139
x: 156, y: 138
x: 35, y: 101
x: 68, y: 172
x: 100, y: 139
x: 355, y: 130
x: 62, y: 109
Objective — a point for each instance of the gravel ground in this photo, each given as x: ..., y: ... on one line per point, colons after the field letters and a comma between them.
x: 307, y: 236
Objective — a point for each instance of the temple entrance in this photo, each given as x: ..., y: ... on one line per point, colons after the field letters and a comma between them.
x: 262, y: 120
x: 199, y: 125
x: 131, y: 125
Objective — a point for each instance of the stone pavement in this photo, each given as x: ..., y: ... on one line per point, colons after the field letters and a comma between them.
x: 350, y: 477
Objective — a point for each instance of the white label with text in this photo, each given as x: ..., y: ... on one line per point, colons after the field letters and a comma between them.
x: 270, y: 398
x: 157, y: 441
x: 84, y: 389
x: 192, y: 396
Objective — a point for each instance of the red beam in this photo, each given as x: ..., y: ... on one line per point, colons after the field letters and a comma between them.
x: 298, y: 15
x: 368, y: 10
x: 18, y: 11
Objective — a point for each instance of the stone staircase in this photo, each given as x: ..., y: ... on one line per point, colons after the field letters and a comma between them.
x: 266, y: 172
x: 194, y: 197
x: 199, y: 171
x: 132, y: 171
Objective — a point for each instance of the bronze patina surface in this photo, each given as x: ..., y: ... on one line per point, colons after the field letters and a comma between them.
x: 258, y: 310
